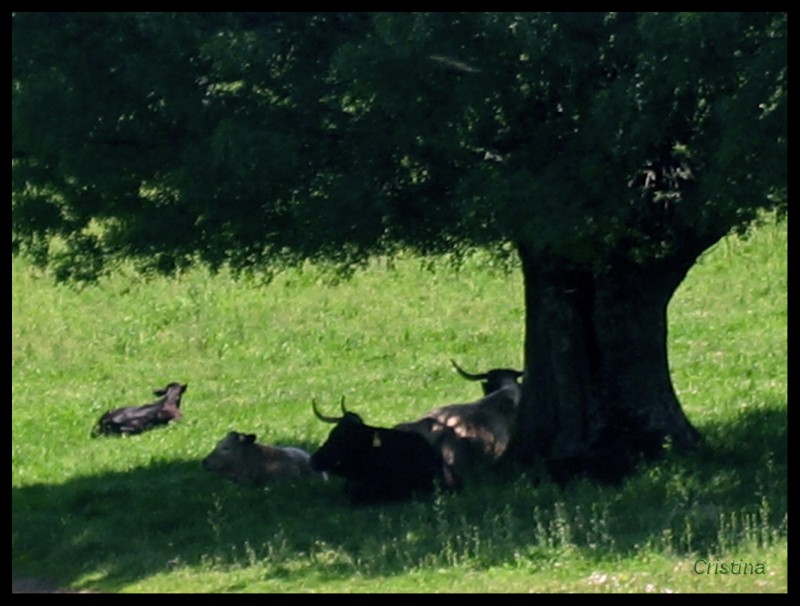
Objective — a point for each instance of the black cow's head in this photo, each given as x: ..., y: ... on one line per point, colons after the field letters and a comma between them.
x: 492, y: 380
x: 348, y: 446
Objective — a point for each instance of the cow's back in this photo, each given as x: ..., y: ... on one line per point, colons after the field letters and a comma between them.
x: 129, y: 419
x: 270, y: 463
x: 487, y: 423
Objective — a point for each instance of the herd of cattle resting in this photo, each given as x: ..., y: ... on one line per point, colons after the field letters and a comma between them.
x: 377, y: 463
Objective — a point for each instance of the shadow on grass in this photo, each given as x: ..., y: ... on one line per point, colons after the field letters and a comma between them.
x: 109, y: 530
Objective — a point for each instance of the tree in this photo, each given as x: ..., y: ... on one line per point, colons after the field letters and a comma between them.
x: 608, y: 150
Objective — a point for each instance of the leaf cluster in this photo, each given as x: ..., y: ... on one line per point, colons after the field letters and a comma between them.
x: 255, y: 139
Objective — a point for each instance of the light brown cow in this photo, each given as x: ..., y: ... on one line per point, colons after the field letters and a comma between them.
x: 475, y: 431
x: 240, y: 459
x: 485, y: 424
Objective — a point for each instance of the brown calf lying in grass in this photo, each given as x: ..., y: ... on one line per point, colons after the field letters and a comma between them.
x: 136, y: 419
x: 240, y: 459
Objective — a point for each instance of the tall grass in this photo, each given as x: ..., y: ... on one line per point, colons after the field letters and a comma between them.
x: 139, y: 514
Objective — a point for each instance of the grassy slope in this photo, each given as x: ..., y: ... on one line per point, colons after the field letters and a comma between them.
x: 139, y: 514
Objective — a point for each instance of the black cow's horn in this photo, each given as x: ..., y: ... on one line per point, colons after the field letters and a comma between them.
x: 321, y: 416
x: 344, y: 412
x: 467, y: 375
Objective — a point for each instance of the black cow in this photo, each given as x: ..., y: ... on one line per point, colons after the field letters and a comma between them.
x: 136, y: 419
x: 379, y: 464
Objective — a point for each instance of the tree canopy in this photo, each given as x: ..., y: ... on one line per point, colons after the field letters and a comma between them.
x: 607, y: 150
x: 255, y: 138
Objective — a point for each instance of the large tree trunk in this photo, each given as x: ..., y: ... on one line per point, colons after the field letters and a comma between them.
x: 597, y: 392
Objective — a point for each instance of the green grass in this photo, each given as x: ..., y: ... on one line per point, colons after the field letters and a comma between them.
x: 139, y: 514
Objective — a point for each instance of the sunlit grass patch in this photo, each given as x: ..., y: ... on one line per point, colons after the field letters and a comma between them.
x: 139, y: 514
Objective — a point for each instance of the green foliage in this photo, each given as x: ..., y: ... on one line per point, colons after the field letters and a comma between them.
x: 139, y: 514
x: 266, y: 138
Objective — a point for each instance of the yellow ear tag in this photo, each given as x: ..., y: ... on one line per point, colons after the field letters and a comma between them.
x: 376, y: 440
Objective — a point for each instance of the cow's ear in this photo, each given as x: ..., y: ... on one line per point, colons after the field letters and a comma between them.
x: 248, y: 438
x: 160, y: 392
x: 376, y: 440
x: 184, y: 387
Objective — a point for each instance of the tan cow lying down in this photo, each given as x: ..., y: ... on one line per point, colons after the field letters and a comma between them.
x: 467, y: 434
x: 240, y: 459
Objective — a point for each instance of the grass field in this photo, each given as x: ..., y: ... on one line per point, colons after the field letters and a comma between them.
x: 140, y: 515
